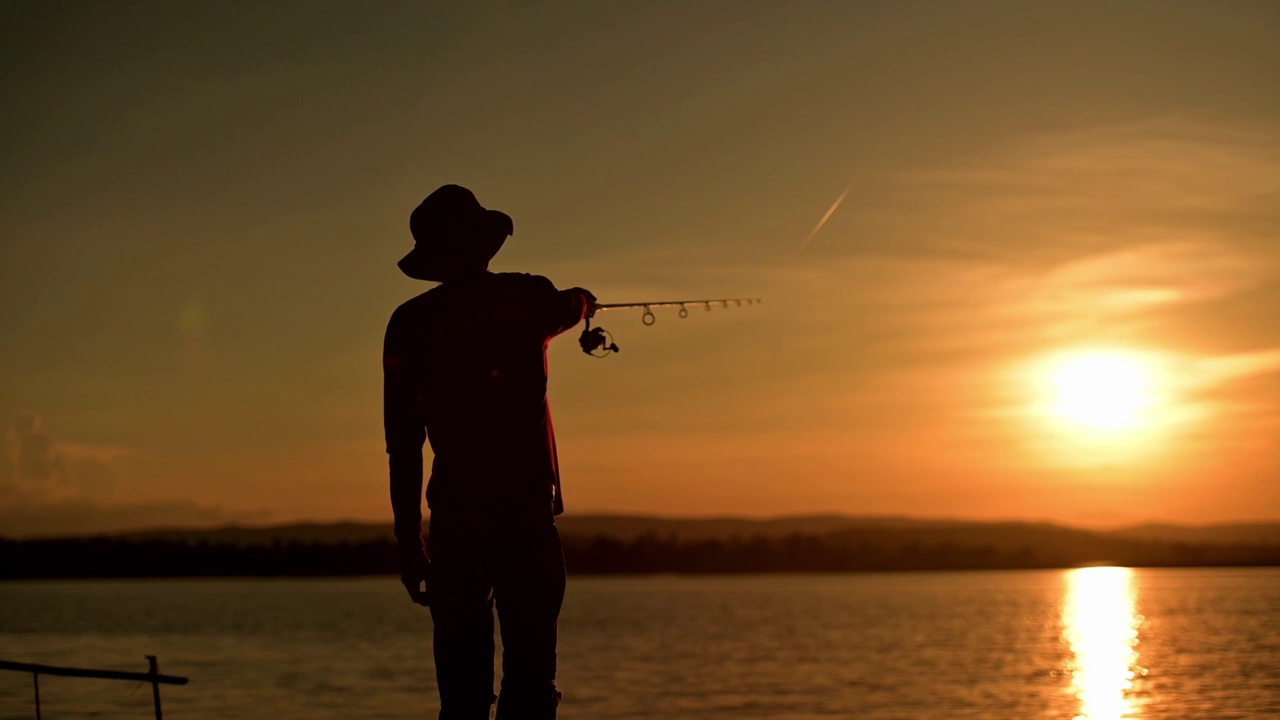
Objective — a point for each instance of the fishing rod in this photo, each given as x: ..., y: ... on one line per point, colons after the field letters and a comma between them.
x: 597, y: 342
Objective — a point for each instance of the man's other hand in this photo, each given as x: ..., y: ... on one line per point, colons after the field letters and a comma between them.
x: 415, y: 575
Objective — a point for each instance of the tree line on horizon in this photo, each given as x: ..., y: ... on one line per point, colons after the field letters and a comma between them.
x: 861, y: 550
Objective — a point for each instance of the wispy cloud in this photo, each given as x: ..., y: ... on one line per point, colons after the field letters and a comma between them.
x: 1241, y: 386
x: 52, y: 486
x: 1082, y: 187
x: 1239, y: 366
x: 1081, y: 232
x: 1145, y: 275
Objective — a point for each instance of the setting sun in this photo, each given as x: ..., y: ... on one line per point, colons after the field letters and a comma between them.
x: 1100, y: 390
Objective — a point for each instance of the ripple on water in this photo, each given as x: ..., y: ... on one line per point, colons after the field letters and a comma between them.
x: 1101, y: 644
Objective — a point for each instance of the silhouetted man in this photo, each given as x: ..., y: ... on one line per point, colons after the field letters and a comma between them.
x: 465, y: 366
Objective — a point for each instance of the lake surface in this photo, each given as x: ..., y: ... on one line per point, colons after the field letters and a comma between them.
x: 1095, y: 643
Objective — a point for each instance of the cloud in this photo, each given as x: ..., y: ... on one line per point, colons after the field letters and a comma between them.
x: 1097, y: 231
x: 8, y: 468
x: 1082, y: 186
x: 1146, y: 275
x: 51, y: 486
x: 1239, y: 384
x: 35, y: 458
x: 1241, y: 365
x: 34, y: 466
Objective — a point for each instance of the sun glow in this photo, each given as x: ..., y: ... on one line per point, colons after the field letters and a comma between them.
x: 1100, y: 391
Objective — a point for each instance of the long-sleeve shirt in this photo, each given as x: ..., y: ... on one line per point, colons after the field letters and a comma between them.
x: 465, y: 366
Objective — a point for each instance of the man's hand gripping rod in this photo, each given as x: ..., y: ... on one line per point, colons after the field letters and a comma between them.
x: 597, y: 342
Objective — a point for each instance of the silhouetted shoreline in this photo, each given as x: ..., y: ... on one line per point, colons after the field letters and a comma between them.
x: 650, y: 545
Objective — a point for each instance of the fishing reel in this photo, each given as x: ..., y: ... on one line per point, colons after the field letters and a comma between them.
x: 596, y: 341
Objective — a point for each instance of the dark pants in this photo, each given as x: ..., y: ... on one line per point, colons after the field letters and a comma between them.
x: 514, y: 561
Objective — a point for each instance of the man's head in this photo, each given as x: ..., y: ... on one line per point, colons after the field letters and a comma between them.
x: 454, y: 235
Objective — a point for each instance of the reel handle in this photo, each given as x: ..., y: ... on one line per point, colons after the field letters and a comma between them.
x: 595, y: 339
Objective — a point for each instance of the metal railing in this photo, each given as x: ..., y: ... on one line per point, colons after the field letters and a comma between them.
x: 152, y: 676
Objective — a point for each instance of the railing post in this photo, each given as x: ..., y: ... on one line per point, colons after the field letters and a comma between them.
x: 155, y: 686
x: 35, y: 679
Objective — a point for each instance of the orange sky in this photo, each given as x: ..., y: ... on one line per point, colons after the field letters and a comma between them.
x: 203, y: 207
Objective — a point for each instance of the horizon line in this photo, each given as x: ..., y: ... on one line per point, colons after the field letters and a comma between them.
x: 277, y: 525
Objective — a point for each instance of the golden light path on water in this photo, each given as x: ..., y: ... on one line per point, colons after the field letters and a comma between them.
x: 1100, y: 625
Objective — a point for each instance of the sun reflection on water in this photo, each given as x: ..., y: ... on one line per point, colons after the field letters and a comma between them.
x: 1101, y: 626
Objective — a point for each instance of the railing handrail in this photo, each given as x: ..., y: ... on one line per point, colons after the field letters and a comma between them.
x: 88, y: 673
x: 152, y: 676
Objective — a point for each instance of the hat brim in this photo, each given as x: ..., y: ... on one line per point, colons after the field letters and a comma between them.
x: 432, y: 259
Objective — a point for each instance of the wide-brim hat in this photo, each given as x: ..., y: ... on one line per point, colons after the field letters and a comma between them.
x: 453, y: 232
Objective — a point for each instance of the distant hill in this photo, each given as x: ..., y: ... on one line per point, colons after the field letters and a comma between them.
x: 627, y: 544
x: 1228, y: 534
x: 315, y: 533
x: 630, y: 527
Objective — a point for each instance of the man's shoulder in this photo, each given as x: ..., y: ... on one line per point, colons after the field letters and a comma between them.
x: 537, y: 282
x: 415, y: 306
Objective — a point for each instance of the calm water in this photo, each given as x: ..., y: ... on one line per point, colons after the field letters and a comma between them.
x: 1099, y: 643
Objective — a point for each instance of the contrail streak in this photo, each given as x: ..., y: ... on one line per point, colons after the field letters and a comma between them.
x: 825, y: 218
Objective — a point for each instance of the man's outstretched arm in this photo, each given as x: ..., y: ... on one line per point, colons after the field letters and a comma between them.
x: 405, y: 434
x: 560, y: 310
